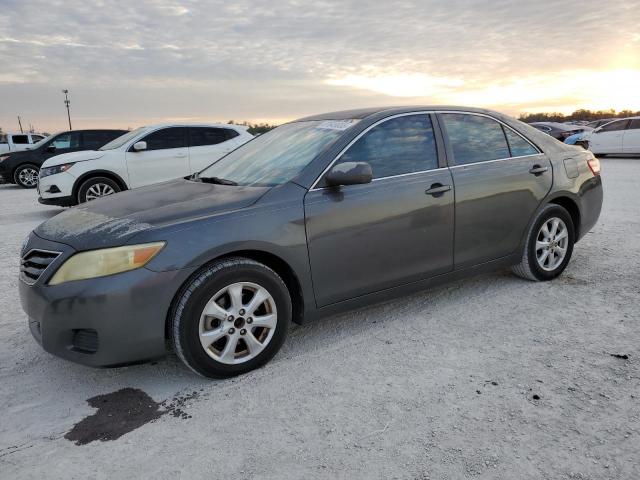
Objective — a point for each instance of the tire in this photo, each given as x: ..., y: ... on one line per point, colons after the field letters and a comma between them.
x: 26, y: 175
x: 531, y: 267
x: 206, y: 298
x: 96, y: 187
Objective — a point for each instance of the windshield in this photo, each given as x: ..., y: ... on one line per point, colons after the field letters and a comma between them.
x: 277, y: 156
x: 120, y: 141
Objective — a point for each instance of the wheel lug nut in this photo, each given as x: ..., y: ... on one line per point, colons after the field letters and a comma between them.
x: 243, y: 331
x: 230, y: 318
x: 232, y: 331
x: 241, y: 312
x: 249, y: 320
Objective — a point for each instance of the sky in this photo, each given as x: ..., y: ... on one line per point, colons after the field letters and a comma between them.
x: 131, y: 63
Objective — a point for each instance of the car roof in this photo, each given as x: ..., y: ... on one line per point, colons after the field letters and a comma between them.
x: 197, y: 124
x: 362, y: 113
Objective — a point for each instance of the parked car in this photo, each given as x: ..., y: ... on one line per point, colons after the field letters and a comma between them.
x: 15, y: 142
x: 617, y: 137
x: 317, y: 216
x: 22, y: 168
x: 145, y: 156
x: 559, y: 131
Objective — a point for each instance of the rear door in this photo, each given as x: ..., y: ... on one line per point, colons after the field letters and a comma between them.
x: 500, y: 179
x: 631, y: 137
x: 208, y: 144
x: 166, y: 157
x: 365, y: 238
x: 608, y: 139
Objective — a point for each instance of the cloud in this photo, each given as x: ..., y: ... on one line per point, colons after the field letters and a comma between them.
x: 251, y: 58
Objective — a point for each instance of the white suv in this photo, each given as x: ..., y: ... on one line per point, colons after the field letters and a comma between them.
x: 141, y: 157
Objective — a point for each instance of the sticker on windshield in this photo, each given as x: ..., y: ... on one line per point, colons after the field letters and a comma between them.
x: 336, y: 124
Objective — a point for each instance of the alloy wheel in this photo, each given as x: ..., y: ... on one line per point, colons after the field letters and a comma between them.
x: 28, y: 177
x: 98, y: 190
x: 551, y: 244
x: 238, y: 322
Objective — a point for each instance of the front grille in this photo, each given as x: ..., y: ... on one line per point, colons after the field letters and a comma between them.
x: 34, y: 263
x: 85, y: 340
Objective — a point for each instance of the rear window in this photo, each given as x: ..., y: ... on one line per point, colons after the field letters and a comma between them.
x: 199, y: 136
x: 519, y: 146
x: 635, y: 124
x: 475, y: 138
x: 20, y: 139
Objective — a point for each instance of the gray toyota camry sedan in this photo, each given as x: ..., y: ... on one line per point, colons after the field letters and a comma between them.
x: 320, y: 215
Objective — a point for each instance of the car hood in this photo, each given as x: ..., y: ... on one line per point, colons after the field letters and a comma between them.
x: 113, y: 221
x: 73, y: 157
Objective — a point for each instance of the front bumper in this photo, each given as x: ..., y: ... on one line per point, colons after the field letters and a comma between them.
x: 59, y: 201
x: 100, y: 322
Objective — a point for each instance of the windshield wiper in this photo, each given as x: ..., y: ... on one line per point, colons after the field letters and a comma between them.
x: 217, y: 180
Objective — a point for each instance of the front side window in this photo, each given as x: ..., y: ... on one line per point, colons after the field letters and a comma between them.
x: 614, y: 126
x: 173, y: 137
x: 67, y: 140
x: 20, y: 139
x: 277, y: 156
x: 401, y: 145
x: 475, y: 138
x: 199, y: 136
x: 635, y: 124
x: 519, y: 146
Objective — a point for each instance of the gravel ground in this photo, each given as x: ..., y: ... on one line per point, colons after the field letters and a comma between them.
x: 491, y: 377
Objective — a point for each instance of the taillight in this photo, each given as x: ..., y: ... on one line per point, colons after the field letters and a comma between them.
x: 594, y: 165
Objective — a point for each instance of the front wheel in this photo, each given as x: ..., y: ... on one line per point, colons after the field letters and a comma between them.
x: 230, y: 318
x: 96, y: 187
x: 26, y: 176
x: 549, y: 245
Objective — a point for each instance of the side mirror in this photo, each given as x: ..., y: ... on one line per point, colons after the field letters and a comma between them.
x: 51, y: 148
x: 349, y: 173
x: 138, y: 146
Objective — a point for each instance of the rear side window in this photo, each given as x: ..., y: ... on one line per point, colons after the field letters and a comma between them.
x: 200, y: 136
x: 475, y: 138
x: 172, y: 137
x: 20, y: 139
x: 635, y: 124
x: 519, y: 146
x: 93, y: 140
x: 400, y: 145
x: 615, y: 126
x: 67, y: 140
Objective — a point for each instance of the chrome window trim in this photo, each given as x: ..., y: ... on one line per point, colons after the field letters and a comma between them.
x: 504, y: 125
x: 45, y: 269
x: 495, y: 160
x: 382, y: 120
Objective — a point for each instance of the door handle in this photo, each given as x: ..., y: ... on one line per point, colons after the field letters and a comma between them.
x: 437, y: 189
x: 538, y: 170
x: 181, y: 155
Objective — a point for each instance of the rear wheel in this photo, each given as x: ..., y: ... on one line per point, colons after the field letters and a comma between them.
x: 549, y: 245
x: 97, y: 187
x: 230, y: 318
x: 26, y: 176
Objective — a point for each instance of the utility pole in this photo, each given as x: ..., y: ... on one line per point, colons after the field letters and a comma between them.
x: 67, y: 102
x: 20, y: 123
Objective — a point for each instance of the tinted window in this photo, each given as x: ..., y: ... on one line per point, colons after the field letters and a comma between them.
x: 518, y: 145
x: 94, y: 140
x: 20, y: 139
x: 400, y: 145
x: 614, y: 126
x: 173, y: 137
x: 635, y: 124
x: 474, y: 138
x: 207, y: 136
x: 67, y: 140
x: 36, y: 138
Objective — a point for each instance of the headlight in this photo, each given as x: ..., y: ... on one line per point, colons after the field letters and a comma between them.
x: 45, y: 172
x: 3, y: 157
x: 106, y: 261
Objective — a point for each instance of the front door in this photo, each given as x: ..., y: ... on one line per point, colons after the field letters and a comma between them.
x: 608, y: 139
x: 631, y: 138
x: 500, y: 180
x: 366, y: 238
x: 165, y: 158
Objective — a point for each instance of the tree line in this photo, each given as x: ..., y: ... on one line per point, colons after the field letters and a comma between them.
x: 254, y: 128
x: 582, y: 114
